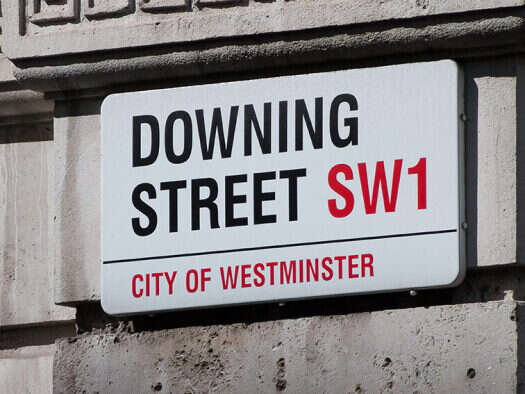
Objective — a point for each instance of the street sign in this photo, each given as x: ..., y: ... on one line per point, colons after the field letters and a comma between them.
x: 284, y: 188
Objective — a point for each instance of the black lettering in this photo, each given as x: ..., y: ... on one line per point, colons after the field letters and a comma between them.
x: 153, y: 123
x: 216, y: 126
x: 209, y: 202
x: 292, y: 176
x: 283, y: 126
x: 186, y: 151
x: 351, y: 123
x: 259, y: 197
x: 145, y: 209
x: 250, y: 119
x: 232, y: 199
x: 302, y: 116
x: 173, y: 188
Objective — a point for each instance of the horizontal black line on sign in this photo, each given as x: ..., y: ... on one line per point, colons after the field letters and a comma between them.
x: 332, y: 241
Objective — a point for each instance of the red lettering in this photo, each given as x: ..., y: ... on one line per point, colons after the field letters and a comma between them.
x: 231, y: 279
x: 147, y: 285
x: 420, y: 169
x: 257, y: 270
x: 157, y: 276
x: 301, y: 271
x: 245, y: 275
x: 380, y: 181
x: 170, y: 280
x: 367, y: 264
x: 313, y: 269
x: 352, y: 266
x: 288, y: 274
x: 340, y: 260
x: 340, y: 189
x: 189, y: 287
x: 136, y: 294
x: 204, y: 278
x: 329, y: 273
x: 272, y: 268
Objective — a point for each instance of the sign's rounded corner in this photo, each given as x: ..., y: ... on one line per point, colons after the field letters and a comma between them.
x: 106, y: 308
x: 459, y: 277
x: 107, y: 101
x: 452, y: 62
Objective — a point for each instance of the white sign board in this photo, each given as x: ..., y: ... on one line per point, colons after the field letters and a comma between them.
x: 276, y: 189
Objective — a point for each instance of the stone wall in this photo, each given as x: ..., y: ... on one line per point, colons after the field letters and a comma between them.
x: 409, y: 350
x: 61, y: 58
x: 30, y: 320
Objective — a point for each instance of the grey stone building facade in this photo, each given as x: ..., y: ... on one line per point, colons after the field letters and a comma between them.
x: 61, y: 58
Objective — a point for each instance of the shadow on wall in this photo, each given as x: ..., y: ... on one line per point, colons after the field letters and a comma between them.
x: 14, y: 134
x: 520, y: 373
x: 489, y: 140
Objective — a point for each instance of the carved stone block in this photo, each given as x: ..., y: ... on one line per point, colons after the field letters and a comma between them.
x: 49, y: 12
x: 100, y: 9
x: 212, y: 2
x: 163, y: 5
x: 43, y: 29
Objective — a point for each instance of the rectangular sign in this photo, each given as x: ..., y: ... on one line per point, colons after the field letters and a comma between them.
x: 283, y: 188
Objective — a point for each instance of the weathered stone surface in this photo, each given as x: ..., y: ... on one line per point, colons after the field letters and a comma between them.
x: 26, y: 226
x: 101, y: 9
x: 77, y: 194
x: 207, y: 2
x: 496, y: 171
x: 24, y: 103
x: 27, y: 370
x: 74, y: 45
x: 7, y: 79
x: 415, y: 350
x: 447, y: 36
x: 162, y: 5
x: 15, y: 102
x: 491, y: 130
x: 26, y: 206
x: 25, y: 25
x: 44, y: 13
